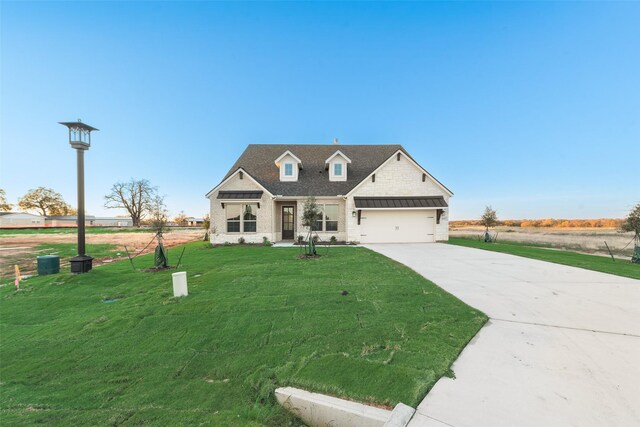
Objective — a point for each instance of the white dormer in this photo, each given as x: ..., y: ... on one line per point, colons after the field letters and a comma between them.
x: 337, y: 166
x: 289, y: 166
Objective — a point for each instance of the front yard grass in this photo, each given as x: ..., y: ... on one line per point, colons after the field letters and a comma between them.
x: 256, y: 318
x: 618, y: 267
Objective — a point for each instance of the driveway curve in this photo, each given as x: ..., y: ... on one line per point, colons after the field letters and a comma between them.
x: 561, y: 348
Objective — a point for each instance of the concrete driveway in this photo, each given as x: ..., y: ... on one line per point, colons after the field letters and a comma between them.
x: 562, y: 347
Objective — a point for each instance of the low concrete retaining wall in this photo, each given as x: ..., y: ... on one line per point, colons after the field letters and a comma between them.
x: 319, y: 410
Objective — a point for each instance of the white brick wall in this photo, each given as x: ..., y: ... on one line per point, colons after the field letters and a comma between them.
x: 341, y: 234
x: 395, y: 179
x: 264, y: 222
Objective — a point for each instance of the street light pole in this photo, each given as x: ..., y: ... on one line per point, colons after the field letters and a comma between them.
x: 81, y: 222
x: 80, y: 140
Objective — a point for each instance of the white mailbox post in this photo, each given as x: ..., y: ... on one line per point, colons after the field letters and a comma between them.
x: 180, y: 284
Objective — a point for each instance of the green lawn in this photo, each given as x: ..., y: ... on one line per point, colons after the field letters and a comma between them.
x: 256, y: 318
x: 590, y: 262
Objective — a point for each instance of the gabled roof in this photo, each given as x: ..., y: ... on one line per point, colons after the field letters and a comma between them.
x: 313, y: 180
x: 337, y: 153
x: 289, y: 153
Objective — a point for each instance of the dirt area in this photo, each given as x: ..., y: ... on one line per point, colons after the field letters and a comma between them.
x: 21, y: 248
x: 587, y: 240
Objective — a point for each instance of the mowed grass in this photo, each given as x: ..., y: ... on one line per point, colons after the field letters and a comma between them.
x: 256, y: 318
x: 73, y: 230
x: 590, y: 262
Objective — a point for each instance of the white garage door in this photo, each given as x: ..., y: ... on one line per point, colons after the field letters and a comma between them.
x: 397, y: 226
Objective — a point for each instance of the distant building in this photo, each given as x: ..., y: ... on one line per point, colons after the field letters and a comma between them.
x: 67, y: 220
x: 90, y: 221
x: 195, y: 222
x: 20, y: 220
x: 112, y: 222
x: 25, y: 220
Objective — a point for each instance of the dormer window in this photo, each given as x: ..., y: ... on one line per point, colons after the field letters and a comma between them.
x: 337, y: 166
x: 289, y: 165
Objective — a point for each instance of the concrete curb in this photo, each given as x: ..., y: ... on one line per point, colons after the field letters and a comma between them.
x: 319, y: 410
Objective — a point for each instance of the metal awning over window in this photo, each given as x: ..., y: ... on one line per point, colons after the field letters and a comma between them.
x: 240, y: 195
x: 400, y: 202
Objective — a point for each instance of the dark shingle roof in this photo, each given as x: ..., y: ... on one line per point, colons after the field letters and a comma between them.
x: 245, y: 195
x: 313, y: 180
x: 400, y: 202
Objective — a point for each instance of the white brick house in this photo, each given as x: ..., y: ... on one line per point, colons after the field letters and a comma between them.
x: 368, y: 194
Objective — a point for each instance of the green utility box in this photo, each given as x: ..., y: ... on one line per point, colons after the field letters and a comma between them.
x: 48, y: 264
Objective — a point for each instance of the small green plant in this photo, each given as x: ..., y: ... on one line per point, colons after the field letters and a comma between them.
x: 333, y: 240
x: 227, y: 243
x: 300, y: 239
x: 315, y: 239
x: 265, y: 241
x: 241, y: 241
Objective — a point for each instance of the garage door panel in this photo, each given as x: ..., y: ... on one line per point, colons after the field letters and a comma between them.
x: 397, y: 226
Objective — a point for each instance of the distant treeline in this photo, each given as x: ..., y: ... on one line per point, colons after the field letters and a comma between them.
x: 548, y: 223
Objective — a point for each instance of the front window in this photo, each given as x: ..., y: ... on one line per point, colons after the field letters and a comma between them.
x: 317, y: 225
x: 328, y: 219
x: 233, y: 218
x: 288, y: 169
x: 337, y: 169
x: 331, y: 218
x: 241, y: 218
x: 249, y: 219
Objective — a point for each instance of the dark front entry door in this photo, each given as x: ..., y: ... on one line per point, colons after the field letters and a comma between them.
x: 287, y: 223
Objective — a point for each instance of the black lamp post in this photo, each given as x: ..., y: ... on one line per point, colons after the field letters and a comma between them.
x: 80, y: 139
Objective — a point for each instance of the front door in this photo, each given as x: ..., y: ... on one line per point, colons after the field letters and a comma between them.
x: 287, y: 223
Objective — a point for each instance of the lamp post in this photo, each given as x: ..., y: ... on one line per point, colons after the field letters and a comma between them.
x: 80, y: 140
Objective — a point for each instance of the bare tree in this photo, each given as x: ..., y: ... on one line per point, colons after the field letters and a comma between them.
x: 158, y: 214
x: 4, y: 206
x: 45, y: 201
x: 135, y: 196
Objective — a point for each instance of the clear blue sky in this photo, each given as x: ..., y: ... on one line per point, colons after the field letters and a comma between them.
x: 533, y: 108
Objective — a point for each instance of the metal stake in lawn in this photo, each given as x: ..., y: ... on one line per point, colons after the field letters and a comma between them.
x: 80, y: 140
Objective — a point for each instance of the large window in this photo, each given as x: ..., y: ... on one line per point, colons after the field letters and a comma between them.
x: 328, y: 218
x: 237, y: 211
x: 288, y: 169
x: 249, y: 219
x: 233, y: 218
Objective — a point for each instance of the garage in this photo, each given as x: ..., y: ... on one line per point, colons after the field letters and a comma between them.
x: 398, y: 219
x: 415, y: 226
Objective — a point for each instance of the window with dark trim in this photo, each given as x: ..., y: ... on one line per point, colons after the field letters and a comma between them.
x: 249, y: 218
x: 248, y: 213
x: 233, y: 218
